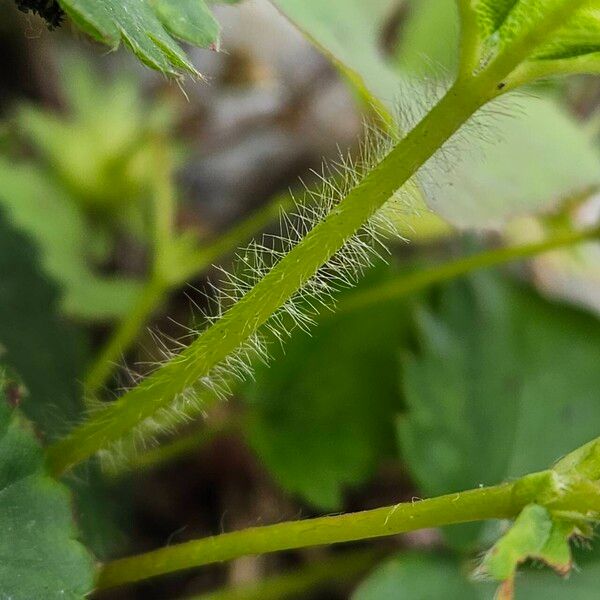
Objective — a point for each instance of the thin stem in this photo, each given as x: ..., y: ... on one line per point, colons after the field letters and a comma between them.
x: 154, y: 292
x: 413, y: 282
x: 150, y: 298
x: 497, y: 502
x: 469, y: 39
x: 238, y: 235
x: 343, y: 569
x: 571, y: 487
x: 244, y: 318
x: 180, y: 447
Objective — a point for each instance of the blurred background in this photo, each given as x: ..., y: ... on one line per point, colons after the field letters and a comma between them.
x: 119, y: 190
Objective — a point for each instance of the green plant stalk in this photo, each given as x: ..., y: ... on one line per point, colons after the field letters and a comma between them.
x: 155, y: 290
x: 243, y: 319
x: 497, y: 502
x: 402, y: 286
x: 151, y: 297
x: 342, y: 569
x: 572, y: 488
x: 419, y: 280
x: 180, y: 447
x: 281, y: 283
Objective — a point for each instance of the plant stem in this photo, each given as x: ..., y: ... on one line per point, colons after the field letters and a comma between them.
x: 154, y: 292
x: 419, y: 280
x: 571, y: 487
x: 497, y: 502
x: 150, y: 298
x: 245, y: 317
x: 178, y: 448
x: 401, y: 286
x: 238, y: 235
x: 341, y: 569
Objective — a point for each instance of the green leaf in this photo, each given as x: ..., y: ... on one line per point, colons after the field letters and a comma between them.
x: 146, y: 28
x: 534, y: 535
x: 348, y: 32
x: 571, y: 44
x: 488, y: 395
x: 189, y: 20
x: 41, y: 557
x: 428, y: 38
x: 419, y: 576
x: 321, y: 415
x: 539, y: 156
x: 525, y: 170
x: 62, y: 237
x: 107, y: 176
x: 47, y: 352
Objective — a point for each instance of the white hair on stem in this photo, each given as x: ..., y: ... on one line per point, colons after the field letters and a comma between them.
x: 343, y: 270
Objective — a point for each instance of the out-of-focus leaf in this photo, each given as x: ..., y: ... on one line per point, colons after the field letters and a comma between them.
x: 430, y: 576
x: 348, y: 32
x: 41, y: 557
x: 416, y: 576
x: 103, y: 150
x: 504, y: 384
x: 428, y: 38
x: 145, y: 27
x: 532, y: 158
x: 46, y: 351
x: 38, y: 208
x: 49, y: 354
x: 321, y: 414
x: 571, y: 274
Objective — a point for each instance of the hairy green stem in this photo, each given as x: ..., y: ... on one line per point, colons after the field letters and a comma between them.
x: 281, y: 283
x: 342, y: 569
x: 485, y: 503
x: 154, y: 292
x: 399, y: 287
x: 242, y: 320
x: 419, y: 280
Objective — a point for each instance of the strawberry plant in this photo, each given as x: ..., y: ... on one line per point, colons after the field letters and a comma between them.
x: 488, y: 390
